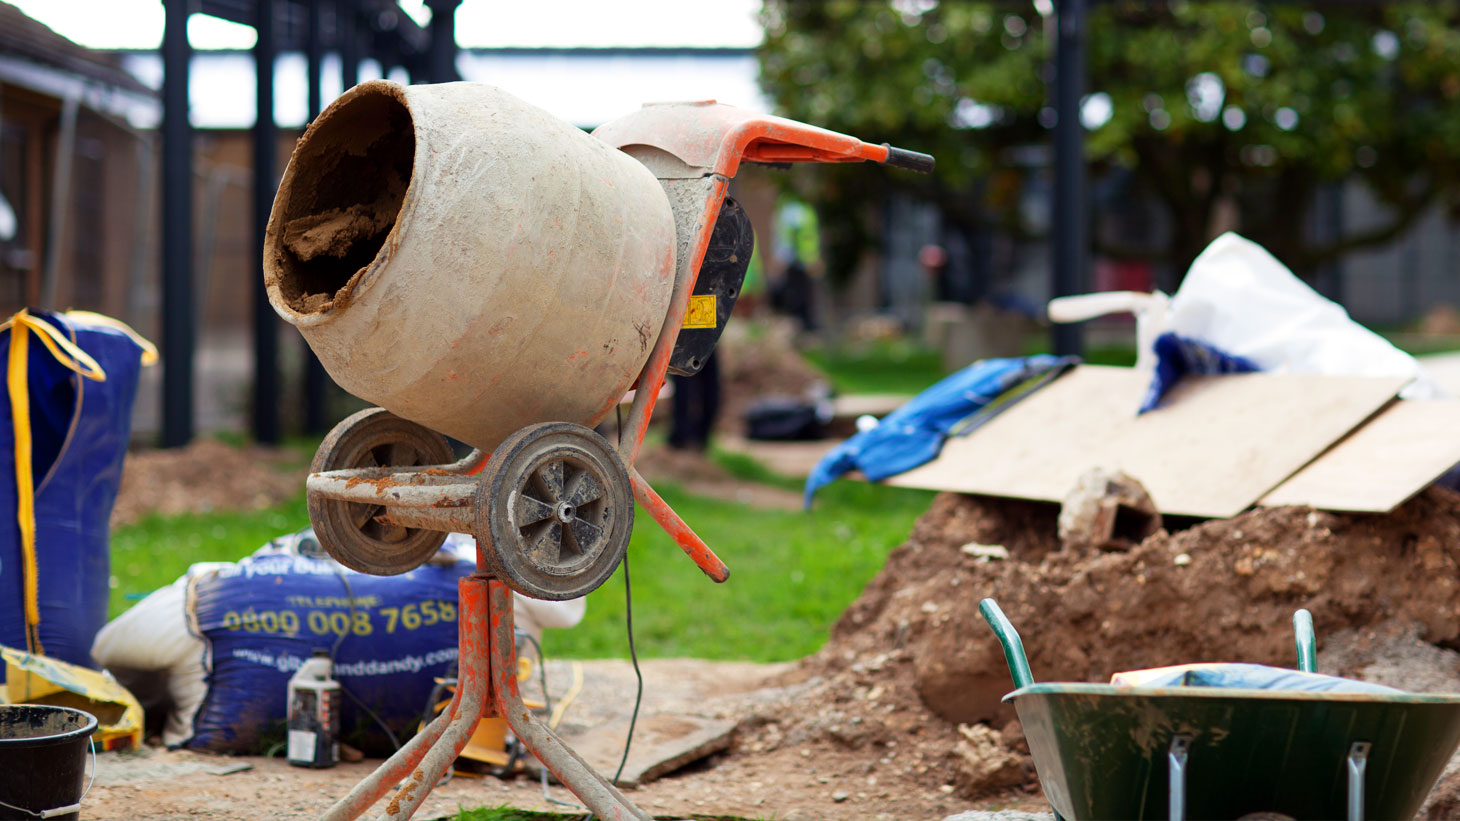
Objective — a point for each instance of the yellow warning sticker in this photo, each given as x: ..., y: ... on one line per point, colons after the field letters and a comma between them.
x: 701, y: 312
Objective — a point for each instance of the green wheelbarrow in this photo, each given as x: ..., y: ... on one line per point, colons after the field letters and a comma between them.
x: 1106, y: 751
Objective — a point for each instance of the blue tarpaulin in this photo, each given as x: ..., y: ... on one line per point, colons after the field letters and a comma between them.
x: 914, y: 433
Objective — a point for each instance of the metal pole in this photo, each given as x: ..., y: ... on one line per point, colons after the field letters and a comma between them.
x: 348, y: 30
x: 265, y: 324
x: 60, y: 199
x: 179, y: 323
x: 441, y: 63
x: 315, y: 379
x: 314, y: 55
x: 1070, y: 226
x: 142, y: 223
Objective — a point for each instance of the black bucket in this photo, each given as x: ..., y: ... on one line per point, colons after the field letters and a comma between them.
x: 42, y: 759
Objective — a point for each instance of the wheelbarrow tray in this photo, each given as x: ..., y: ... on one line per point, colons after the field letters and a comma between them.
x: 1101, y: 750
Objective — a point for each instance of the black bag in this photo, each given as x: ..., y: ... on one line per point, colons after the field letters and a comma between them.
x: 786, y: 418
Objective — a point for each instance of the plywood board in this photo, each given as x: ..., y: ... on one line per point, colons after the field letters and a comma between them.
x: 1377, y: 467
x: 1216, y: 446
x: 663, y: 743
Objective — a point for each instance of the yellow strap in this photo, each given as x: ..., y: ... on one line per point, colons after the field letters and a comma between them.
x: 149, y: 351
x: 17, y: 380
x: 64, y: 350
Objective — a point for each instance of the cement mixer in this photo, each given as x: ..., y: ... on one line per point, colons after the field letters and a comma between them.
x: 480, y: 269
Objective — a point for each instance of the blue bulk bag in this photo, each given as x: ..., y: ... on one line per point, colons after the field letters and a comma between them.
x: 64, y: 421
x: 390, y: 638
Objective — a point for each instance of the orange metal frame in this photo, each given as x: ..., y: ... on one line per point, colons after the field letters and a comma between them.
x: 711, y: 140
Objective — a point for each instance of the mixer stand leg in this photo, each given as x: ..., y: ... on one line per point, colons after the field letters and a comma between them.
x: 487, y: 686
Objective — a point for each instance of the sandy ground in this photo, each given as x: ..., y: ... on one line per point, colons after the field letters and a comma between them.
x: 811, y: 782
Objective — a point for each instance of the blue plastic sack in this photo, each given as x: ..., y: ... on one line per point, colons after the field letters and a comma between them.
x: 263, y: 617
x: 913, y: 434
x: 1177, y: 356
x: 1251, y: 677
x: 79, y: 433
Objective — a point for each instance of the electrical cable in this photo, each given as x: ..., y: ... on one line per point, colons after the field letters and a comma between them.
x: 429, y: 714
x: 557, y: 715
x: 633, y: 652
x: 547, y: 699
x: 350, y: 593
x: 548, y: 705
x: 633, y: 655
x: 394, y: 742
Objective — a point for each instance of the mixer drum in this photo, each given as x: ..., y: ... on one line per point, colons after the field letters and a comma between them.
x: 469, y: 261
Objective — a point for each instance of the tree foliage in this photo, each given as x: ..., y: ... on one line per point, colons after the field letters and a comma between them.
x: 1257, y: 104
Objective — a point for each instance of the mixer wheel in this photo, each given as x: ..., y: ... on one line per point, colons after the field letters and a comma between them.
x: 349, y: 531
x: 554, y: 510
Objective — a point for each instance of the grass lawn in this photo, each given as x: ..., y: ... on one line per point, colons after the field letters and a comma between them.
x: 903, y: 366
x: 153, y: 552
x: 883, y: 366
x: 792, y: 573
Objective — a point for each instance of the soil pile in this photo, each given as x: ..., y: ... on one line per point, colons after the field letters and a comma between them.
x: 913, y: 670
x: 205, y: 476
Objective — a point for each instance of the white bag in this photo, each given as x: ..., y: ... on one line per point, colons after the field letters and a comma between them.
x: 1239, y: 299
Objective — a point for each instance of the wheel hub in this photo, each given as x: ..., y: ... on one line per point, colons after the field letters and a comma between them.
x: 554, y: 510
x: 353, y: 533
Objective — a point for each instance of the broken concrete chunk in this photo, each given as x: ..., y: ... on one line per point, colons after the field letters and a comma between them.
x: 985, y: 552
x: 1107, y: 510
x: 983, y: 762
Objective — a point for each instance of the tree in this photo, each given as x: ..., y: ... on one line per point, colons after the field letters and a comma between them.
x: 1258, y: 104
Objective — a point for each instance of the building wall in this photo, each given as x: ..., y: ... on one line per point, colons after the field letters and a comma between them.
x: 99, y: 236
x: 226, y: 264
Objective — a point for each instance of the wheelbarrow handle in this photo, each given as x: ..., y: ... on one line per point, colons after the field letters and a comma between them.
x: 1009, y: 638
x: 1307, y: 642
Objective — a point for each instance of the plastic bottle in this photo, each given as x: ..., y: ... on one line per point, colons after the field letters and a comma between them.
x: 314, y: 714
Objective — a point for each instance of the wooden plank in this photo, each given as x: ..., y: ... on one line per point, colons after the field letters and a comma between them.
x: 1215, y: 447
x: 663, y: 743
x: 1382, y: 464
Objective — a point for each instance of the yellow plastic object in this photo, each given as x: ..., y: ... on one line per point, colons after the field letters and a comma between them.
x: 32, y: 679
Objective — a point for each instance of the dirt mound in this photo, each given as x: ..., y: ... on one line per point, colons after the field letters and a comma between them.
x: 911, y: 665
x: 206, y: 475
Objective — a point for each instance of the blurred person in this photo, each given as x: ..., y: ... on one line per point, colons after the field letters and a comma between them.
x: 696, y: 404
x: 797, y: 252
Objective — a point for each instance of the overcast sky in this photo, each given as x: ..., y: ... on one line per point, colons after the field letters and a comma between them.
x: 110, y: 24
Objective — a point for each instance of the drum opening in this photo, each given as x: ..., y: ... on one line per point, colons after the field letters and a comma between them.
x: 340, y: 198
